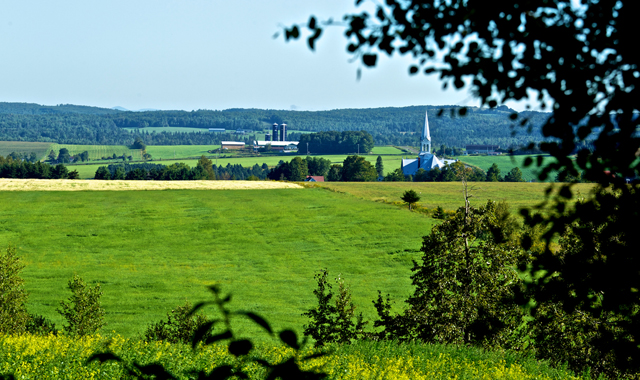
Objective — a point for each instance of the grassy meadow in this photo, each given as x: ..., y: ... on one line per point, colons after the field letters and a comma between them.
x: 505, y: 164
x: 96, y: 152
x: 152, y: 250
x: 179, y: 151
x: 41, y: 149
x: 449, y: 195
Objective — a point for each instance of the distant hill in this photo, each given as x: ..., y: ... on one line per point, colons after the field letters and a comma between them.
x: 72, y: 124
x: 37, y: 109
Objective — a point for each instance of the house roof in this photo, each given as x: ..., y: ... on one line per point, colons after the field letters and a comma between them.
x: 275, y: 143
x: 232, y: 142
x: 315, y: 178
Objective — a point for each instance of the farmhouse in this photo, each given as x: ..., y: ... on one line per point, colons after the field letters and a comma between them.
x: 284, y: 146
x: 425, y: 160
x: 232, y: 144
x: 314, y: 178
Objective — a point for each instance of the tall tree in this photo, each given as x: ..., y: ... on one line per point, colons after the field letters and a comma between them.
x: 379, y: 166
x: 207, y: 165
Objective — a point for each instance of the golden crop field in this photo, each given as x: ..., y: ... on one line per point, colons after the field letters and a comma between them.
x: 11, y: 184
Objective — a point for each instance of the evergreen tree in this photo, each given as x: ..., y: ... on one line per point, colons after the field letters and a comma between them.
x: 493, y: 174
x: 379, y: 166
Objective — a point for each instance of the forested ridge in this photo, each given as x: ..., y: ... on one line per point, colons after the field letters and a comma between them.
x: 71, y: 124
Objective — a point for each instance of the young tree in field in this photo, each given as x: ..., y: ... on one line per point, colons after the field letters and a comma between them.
x: 379, y: 166
x: 13, y: 296
x: 410, y: 197
x: 82, y: 311
x: 73, y: 175
x: 51, y: 157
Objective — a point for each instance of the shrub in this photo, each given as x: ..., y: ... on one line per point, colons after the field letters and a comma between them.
x: 179, y: 326
x: 40, y: 325
x: 83, y: 311
x: 13, y: 312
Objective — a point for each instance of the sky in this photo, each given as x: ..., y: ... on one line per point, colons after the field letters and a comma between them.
x: 195, y: 54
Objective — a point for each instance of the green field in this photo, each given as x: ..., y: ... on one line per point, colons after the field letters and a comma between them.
x: 41, y: 149
x: 179, y: 151
x: 152, y: 250
x: 385, y: 150
x: 96, y: 152
x: 88, y: 171
x: 505, y: 164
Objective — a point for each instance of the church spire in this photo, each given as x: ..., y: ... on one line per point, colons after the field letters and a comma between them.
x: 425, y: 139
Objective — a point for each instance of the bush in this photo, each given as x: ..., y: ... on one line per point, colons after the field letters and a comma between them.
x: 39, y: 325
x: 13, y: 297
x: 179, y: 327
x: 83, y: 311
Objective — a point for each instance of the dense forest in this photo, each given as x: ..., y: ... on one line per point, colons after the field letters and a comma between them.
x: 71, y: 124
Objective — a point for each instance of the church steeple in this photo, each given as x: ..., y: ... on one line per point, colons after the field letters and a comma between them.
x: 425, y: 139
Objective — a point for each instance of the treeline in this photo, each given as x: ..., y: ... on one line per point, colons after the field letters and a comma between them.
x: 181, y: 172
x: 69, y: 124
x: 18, y: 168
x: 333, y: 142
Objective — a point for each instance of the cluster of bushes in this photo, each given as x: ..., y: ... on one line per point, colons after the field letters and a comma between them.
x: 64, y: 157
x: 11, y: 168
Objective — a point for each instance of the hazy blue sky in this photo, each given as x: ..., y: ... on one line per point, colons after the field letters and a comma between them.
x: 193, y: 54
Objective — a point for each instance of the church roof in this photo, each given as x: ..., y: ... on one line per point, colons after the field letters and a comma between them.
x: 426, y: 161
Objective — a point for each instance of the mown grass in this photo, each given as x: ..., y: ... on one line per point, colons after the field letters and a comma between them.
x: 152, y: 250
x: 449, y: 195
x: 385, y: 150
x: 41, y: 149
x: 29, y: 357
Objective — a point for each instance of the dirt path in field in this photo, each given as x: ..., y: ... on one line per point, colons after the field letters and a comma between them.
x: 7, y: 184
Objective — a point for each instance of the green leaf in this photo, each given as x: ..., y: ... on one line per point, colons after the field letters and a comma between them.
x: 369, y: 59
x: 240, y: 347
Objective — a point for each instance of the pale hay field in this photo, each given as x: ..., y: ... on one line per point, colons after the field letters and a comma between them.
x: 10, y: 184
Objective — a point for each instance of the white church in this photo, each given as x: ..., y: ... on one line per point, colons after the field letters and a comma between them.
x: 426, y: 160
